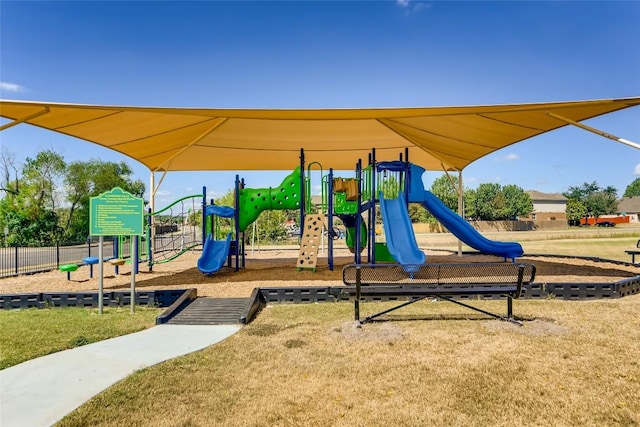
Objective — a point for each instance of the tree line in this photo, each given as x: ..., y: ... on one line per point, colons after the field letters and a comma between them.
x: 46, y: 200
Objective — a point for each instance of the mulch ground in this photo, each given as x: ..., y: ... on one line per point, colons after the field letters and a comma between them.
x: 277, y: 268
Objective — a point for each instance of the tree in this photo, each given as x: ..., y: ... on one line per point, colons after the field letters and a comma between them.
x: 28, y: 209
x: 446, y: 189
x: 89, y: 179
x: 390, y: 187
x: 418, y: 213
x: 518, y: 203
x: 41, y: 177
x: 579, y: 193
x: 601, y: 203
x: 597, y: 201
x: 9, y: 178
x: 633, y: 189
x: 491, y: 202
x: 575, y: 210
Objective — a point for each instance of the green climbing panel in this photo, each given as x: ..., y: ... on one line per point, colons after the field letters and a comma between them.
x: 252, y: 201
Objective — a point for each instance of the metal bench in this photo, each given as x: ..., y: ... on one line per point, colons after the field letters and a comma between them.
x: 634, y: 252
x: 444, y: 281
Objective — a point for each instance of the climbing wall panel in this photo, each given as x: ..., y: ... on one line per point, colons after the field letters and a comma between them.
x: 310, y: 241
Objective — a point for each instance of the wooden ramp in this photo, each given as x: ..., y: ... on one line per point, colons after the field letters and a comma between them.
x: 310, y: 241
x: 211, y: 311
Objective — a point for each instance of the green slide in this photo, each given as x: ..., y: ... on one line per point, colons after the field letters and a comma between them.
x: 349, y: 222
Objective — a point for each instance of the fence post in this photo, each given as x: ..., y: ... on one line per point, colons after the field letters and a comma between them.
x: 15, y: 245
x: 57, y: 254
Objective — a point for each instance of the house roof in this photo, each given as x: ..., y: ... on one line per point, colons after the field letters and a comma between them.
x: 629, y: 205
x: 537, y: 196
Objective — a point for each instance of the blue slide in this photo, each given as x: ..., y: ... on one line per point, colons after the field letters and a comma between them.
x: 465, y: 232
x: 214, y: 254
x: 401, y: 240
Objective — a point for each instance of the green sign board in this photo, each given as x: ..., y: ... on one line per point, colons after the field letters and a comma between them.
x: 116, y: 213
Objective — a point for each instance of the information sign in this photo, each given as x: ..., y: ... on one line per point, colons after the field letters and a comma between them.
x: 116, y: 213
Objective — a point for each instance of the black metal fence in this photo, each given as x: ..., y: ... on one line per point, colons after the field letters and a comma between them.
x: 17, y: 260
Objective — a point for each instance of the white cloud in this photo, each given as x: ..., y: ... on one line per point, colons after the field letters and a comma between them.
x: 419, y: 6
x: 11, y: 87
x: 508, y: 158
x: 416, y: 7
x: 636, y: 170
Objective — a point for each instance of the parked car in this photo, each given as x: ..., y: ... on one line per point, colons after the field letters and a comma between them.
x: 606, y: 224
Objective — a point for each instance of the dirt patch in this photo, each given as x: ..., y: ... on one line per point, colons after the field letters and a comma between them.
x: 385, y: 333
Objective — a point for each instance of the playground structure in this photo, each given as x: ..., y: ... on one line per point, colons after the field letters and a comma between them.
x: 387, y: 185
x: 170, y: 231
x: 400, y: 183
x: 215, y: 252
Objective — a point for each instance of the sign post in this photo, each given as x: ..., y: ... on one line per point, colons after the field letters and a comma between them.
x: 116, y: 213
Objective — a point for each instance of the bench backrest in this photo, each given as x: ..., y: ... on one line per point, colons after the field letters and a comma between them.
x: 439, y: 274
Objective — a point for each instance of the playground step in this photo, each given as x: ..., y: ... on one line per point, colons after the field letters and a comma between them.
x: 211, y: 311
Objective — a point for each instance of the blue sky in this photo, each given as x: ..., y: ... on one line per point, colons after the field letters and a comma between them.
x: 333, y: 54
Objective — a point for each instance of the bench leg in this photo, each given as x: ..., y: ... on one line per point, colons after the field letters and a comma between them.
x: 509, y: 309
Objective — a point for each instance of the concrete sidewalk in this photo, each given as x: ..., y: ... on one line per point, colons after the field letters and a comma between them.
x: 42, y: 391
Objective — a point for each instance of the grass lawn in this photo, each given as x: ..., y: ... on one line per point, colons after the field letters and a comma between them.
x: 593, y: 242
x: 31, y: 333
x: 573, y: 363
x: 434, y: 363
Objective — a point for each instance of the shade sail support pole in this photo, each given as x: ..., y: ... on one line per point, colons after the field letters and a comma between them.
x: 594, y: 130
x: 460, y: 207
x: 24, y: 119
x: 459, y: 191
x: 155, y: 188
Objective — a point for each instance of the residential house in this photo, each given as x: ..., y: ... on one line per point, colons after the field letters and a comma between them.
x: 629, y: 207
x: 547, y: 206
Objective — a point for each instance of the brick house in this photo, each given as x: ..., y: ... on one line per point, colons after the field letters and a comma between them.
x: 547, y: 206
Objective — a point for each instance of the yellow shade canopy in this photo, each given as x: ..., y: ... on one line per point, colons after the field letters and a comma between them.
x: 203, y: 139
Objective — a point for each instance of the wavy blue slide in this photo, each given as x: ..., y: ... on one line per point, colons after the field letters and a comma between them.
x: 401, y: 240
x: 465, y: 232
x: 214, y: 254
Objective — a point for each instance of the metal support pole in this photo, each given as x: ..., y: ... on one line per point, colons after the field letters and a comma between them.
x: 356, y: 302
x: 134, y: 260
x: 101, y: 273
x: 460, y: 207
